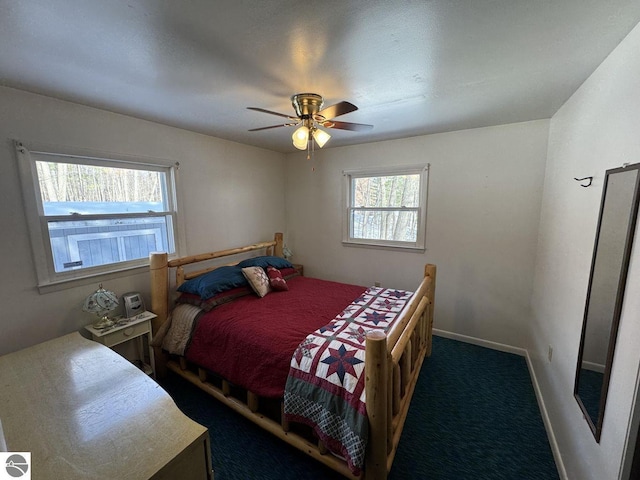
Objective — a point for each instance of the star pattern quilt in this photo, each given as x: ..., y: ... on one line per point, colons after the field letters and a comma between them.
x: 325, y: 387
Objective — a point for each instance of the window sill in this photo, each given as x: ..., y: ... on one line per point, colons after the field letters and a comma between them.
x: 383, y: 246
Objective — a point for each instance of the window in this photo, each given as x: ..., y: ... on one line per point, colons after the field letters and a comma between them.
x: 386, y: 207
x: 90, y: 216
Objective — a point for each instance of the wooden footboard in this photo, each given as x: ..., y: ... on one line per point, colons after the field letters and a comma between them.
x: 392, y: 366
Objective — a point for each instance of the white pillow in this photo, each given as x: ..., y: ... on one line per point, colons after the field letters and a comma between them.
x: 258, y: 280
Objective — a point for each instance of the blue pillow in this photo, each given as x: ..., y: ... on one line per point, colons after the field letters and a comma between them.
x: 265, y: 261
x: 216, y: 281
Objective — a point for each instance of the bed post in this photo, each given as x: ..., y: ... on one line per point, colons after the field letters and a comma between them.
x: 430, y: 271
x: 279, y: 246
x: 376, y: 388
x: 159, y: 302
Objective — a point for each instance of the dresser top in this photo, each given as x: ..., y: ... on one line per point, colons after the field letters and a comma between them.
x: 84, y: 412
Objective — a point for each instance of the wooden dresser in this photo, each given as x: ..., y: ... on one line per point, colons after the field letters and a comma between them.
x: 84, y: 412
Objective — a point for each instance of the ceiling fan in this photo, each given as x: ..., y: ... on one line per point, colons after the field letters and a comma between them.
x: 309, y: 116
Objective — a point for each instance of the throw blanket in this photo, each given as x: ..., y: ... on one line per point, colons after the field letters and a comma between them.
x: 180, y: 325
x: 325, y: 387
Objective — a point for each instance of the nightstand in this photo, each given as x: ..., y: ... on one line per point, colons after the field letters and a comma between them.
x: 127, y: 329
x: 299, y: 268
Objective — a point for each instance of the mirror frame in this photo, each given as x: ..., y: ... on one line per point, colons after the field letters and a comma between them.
x: 596, y: 427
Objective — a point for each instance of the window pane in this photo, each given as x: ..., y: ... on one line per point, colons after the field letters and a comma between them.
x: 385, y: 225
x: 90, y: 243
x: 387, y: 191
x: 88, y: 189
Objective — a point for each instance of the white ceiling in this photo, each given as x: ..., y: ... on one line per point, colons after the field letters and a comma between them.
x: 412, y: 67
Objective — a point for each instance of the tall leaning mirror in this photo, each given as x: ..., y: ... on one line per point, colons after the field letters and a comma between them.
x: 609, y: 266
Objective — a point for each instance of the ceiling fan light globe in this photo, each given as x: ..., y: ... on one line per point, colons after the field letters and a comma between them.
x: 321, y: 137
x: 300, y: 138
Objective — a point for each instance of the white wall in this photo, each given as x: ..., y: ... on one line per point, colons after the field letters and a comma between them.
x: 229, y: 193
x: 485, y: 188
x: 595, y: 130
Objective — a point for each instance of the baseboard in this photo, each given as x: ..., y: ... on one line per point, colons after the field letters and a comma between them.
x: 534, y: 380
x: 547, y: 422
x: 480, y: 342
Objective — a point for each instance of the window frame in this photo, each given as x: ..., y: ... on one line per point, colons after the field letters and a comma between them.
x: 388, y: 171
x: 48, y: 278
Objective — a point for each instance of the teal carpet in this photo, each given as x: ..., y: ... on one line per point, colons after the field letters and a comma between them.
x: 474, y: 415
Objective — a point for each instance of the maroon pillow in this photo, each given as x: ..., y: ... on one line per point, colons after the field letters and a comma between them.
x: 275, y: 279
x: 217, y: 299
x: 288, y: 273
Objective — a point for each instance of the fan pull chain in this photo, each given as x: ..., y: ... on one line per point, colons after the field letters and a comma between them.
x: 312, y: 147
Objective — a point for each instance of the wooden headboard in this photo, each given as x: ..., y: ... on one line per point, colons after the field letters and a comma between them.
x: 160, y: 265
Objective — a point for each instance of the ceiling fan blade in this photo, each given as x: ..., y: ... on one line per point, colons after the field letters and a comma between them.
x: 356, y: 127
x: 338, y: 109
x: 272, y: 126
x: 272, y: 113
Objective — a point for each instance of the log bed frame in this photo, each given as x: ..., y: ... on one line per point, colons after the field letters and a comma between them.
x: 392, y: 365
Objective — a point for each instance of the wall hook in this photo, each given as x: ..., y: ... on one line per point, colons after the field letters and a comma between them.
x: 583, y: 179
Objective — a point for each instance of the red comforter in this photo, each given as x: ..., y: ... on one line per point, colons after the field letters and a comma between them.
x: 250, y: 341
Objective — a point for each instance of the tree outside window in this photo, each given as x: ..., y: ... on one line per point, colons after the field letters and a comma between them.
x: 386, y: 207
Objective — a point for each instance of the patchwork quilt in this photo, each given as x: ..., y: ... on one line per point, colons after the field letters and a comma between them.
x: 325, y: 387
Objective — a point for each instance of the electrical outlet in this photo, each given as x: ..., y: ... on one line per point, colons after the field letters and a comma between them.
x: 550, y: 354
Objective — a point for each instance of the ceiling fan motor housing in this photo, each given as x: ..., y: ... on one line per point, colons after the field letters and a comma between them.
x: 306, y: 104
